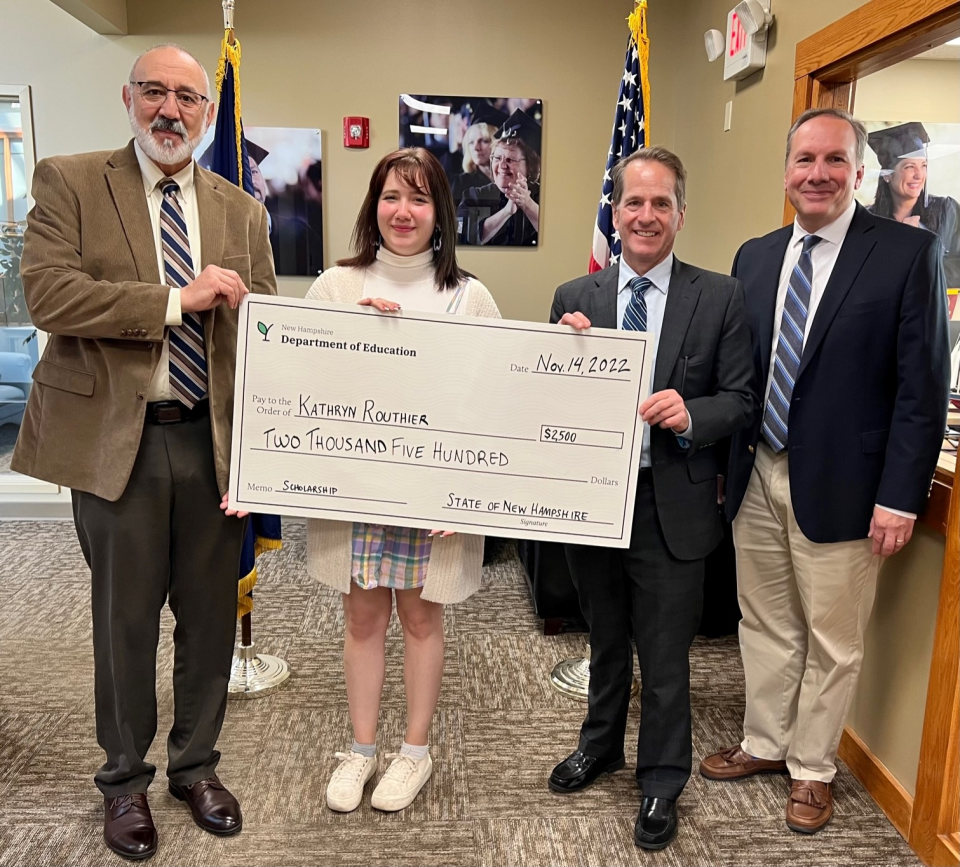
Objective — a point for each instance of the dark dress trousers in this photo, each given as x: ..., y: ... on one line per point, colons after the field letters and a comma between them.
x: 869, y: 405
x: 655, y: 587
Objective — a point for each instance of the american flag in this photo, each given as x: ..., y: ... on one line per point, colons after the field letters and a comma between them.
x: 629, y: 133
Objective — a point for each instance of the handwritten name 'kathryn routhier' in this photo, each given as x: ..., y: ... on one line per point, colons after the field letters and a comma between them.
x: 354, y: 346
x: 309, y: 408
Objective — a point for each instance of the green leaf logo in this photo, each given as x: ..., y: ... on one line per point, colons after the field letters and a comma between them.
x: 264, y: 330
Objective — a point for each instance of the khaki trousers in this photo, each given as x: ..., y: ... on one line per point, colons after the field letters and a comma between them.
x: 805, y: 608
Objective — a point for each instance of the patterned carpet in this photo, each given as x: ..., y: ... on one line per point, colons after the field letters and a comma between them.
x: 499, y: 730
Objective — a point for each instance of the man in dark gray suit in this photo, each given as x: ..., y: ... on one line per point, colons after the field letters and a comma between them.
x: 703, y: 392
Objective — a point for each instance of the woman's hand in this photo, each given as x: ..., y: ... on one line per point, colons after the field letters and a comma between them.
x: 519, y: 193
x: 226, y: 508
x: 442, y: 533
x: 380, y: 304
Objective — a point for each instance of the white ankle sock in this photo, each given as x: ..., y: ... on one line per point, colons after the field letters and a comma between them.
x: 416, y: 753
x: 368, y: 750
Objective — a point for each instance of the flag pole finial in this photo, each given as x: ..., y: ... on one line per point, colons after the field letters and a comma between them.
x: 228, y: 6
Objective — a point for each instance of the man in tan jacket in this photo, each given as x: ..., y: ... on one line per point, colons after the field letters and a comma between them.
x: 135, y: 262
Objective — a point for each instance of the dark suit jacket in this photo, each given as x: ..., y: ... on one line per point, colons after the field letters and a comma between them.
x: 91, y: 279
x: 869, y: 405
x: 704, y: 353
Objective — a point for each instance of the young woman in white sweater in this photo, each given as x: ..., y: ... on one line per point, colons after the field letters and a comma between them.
x: 405, y: 258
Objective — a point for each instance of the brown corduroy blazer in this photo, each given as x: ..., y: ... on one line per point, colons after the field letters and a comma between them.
x: 91, y: 281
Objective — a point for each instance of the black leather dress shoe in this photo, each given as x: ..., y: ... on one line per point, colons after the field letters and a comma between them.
x: 128, y: 826
x: 214, y: 809
x: 578, y: 770
x: 656, y: 823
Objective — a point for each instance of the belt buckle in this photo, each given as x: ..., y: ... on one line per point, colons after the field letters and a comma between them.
x: 168, y: 413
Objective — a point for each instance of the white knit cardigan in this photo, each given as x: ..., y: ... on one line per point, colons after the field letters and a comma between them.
x: 453, y: 572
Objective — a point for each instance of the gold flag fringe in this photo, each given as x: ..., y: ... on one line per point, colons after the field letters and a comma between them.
x: 230, y: 53
x: 638, y: 27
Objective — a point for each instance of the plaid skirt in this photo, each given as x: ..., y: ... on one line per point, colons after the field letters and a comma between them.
x: 394, y: 557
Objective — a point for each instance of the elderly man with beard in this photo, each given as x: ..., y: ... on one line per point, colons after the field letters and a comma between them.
x: 135, y: 262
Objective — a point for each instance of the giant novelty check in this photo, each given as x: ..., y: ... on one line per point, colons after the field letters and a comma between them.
x: 442, y: 422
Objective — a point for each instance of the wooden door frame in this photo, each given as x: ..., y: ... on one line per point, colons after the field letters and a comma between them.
x: 877, y: 35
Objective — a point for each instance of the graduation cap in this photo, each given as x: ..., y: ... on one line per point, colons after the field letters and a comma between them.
x: 898, y: 142
x: 522, y: 127
x: 482, y: 111
x: 258, y: 153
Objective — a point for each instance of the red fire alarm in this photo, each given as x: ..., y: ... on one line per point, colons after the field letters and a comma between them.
x: 356, y: 132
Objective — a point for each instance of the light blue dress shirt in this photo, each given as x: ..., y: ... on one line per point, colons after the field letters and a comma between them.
x: 656, y: 298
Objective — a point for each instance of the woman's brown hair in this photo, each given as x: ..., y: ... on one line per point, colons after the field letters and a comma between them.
x: 419, y: 169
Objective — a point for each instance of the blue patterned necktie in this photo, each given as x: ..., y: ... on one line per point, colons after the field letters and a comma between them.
x: 635, y: 316
x: 188, y: 362
x: 786, y: 363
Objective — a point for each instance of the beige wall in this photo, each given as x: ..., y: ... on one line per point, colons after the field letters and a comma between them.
x: 887, y: 710
x: 736, y: 177
x: 308, y: 63
x: 926, y: 90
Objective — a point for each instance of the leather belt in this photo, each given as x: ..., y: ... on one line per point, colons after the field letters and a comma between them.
x: 174, y: 412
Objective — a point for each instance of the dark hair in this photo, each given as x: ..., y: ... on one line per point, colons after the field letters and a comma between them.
x: 883, y: 206
x: 859, y: 130
x: 655, y: 154
x: 420, y: 169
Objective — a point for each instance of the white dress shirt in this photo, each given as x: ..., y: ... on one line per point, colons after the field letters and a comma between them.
x: 656, y: 298
x: 152, y: 175
x: 823, y: 258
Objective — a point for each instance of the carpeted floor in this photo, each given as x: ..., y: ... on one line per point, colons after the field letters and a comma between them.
x: 499, y: 730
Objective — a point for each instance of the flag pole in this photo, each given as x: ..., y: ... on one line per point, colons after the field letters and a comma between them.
x: 631, y: 130
x: 252, y: 674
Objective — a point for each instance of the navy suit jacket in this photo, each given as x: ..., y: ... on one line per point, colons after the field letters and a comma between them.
x: 869, y: 405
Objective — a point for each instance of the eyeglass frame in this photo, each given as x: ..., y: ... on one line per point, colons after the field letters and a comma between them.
x: 174, y: 91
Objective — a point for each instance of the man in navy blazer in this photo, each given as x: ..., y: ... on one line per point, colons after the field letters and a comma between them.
x: 849, y: 320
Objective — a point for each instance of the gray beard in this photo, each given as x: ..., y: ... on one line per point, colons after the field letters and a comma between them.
x: 163, y: 154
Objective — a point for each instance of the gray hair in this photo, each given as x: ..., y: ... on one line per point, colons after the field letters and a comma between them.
x: 654, y: 154
x: 182, y: 50
x: 859, y: 130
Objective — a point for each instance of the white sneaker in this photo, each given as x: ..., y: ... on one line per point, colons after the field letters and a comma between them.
x: 401, y: 782
x: 345, y: 790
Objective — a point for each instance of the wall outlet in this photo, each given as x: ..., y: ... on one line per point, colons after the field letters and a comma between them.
x: 728, y: 116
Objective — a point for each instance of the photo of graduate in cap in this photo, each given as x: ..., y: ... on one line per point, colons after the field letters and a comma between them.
x: 483, y: 121
x: 903, y: 152
x: 289, y: 188
x: 506, y: 212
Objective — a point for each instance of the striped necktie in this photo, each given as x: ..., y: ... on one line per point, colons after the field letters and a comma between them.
x: 188, y: 363
x: 635, y: 316
x: 786, y: 363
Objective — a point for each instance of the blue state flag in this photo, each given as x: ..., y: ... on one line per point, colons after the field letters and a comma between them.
x: 229, y: 160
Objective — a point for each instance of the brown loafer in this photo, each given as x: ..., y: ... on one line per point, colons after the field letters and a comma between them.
x: 128, y: 827
x: 734, y: 764
x: 214, y: 809
x: 809, y: 807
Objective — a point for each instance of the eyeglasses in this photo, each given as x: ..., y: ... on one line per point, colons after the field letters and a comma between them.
x: 154, y: 93
x: 510, y: 161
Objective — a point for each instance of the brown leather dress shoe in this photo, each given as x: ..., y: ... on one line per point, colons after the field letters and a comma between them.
x: 214, y: 808
x: 734, y: 764
x: 809, y: 807
x: 128, y: 827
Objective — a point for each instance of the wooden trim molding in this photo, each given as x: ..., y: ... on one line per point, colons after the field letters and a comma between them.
x: 936, y: 815
x: 884, y: 788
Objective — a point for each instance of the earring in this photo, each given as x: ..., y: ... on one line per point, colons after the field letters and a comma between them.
x: 379, y: 242
x: 437, y: 240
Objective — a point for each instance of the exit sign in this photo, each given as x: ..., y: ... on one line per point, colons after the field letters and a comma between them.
x: 744, y: 54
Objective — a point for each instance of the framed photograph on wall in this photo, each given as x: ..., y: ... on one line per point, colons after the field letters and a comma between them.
x: 912, y: 174
x: 286, y: 166
x: 490, y: 149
